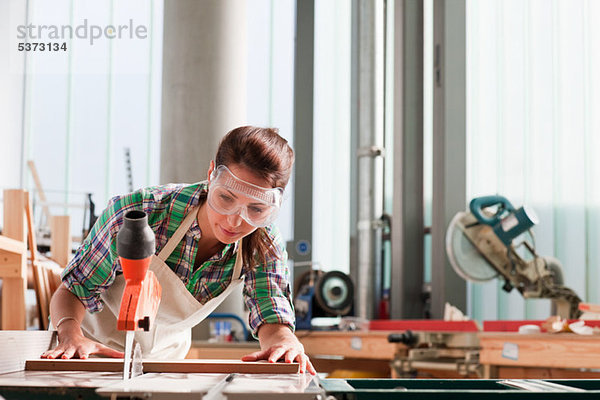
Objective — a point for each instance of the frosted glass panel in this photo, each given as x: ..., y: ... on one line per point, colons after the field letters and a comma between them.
x: 270, y: 87
x: 532, y: 135
x: 84, y: 105
x: 331, y: 162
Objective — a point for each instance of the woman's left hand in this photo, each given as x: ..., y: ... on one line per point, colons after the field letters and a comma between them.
x: 278, y: 342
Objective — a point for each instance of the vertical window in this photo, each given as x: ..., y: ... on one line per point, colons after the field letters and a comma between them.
x: 532, y: 134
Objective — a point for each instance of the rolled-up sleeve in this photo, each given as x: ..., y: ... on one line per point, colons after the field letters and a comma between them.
x: 267, y: 289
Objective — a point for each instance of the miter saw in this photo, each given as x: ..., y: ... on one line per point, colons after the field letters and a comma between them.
x: 494, y: 240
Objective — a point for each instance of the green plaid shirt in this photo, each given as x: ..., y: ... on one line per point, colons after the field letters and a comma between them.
x: 96, y: 264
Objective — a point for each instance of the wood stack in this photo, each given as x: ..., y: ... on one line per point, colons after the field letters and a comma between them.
x: 18, y: 232
x: 13, y: 260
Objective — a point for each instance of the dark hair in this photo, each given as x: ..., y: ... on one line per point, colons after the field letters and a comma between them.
x: 269, y: 156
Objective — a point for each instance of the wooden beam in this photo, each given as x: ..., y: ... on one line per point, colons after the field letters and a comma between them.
x: 11, y: 265
x: 11, y: 245
x: 13, y: 303
x: 60, y: 246
x: 179, y: 366
x: 39, y: 188
x: 14, y: 284
x: 14, y: 215
x: 30, y: 227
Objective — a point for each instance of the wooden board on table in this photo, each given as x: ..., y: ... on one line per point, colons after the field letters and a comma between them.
x: 178, y: 366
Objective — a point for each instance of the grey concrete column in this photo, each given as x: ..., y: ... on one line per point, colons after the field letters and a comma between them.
x: 300, y: 249
x: 204, y: 83
x: 449, y: 147
x: 367, y: 104
x: 204, y: 91
x: 407, y: 218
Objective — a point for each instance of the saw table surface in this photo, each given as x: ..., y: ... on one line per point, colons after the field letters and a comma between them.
x: 162, y: 386
x: 96, y: 385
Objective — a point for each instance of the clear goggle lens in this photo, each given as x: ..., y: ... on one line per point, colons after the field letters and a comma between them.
x: 229, y: 195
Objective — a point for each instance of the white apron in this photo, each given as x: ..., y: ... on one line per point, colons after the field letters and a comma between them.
x: 171, y: 335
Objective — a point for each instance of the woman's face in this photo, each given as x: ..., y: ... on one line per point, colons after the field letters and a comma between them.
x: 231, y: 228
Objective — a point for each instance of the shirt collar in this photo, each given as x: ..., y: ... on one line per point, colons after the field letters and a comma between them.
x: 196, y: 233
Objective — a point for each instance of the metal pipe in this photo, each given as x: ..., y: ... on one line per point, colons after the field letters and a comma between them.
x: 369, y: 152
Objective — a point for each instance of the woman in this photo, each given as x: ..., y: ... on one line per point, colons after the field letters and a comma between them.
x: 210, y: 237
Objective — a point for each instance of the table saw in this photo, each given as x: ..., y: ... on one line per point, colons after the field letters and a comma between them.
x: 19, y: 381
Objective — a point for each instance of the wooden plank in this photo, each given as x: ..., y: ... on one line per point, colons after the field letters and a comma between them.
x: 12, y: 265
x: 14, y: 215
x: 13, y: 303
x: 11, y: 245
x: 39, y: 188
x: 14, y: 284
x: 53, y: 272
x: 177, y: 366
x: 30, y: 228
x: 561, y: 350
x: 40, y: 293
x: 60, y: 246
x: 358, y: 344
x: 39, y: 276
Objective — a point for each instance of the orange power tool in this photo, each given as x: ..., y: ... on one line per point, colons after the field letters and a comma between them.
x: 141, y: 297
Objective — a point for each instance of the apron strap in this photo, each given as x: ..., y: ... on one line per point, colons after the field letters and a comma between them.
x: 237, y: 268
x: 178, y: 235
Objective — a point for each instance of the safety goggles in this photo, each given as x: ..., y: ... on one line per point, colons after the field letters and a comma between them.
x: 229, y: 195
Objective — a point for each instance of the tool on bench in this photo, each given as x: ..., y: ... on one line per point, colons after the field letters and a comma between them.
x: 321, y: 294
x: 486, y: 243
x: 436, y: 350
x: 142, y: 293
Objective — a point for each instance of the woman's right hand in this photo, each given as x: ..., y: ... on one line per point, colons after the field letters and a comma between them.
x: 72, y: 344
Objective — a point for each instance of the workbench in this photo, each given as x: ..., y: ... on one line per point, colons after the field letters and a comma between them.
x: 369, y: 354
x: 540, y: 355
x: 502, y: 354
x: 360, y: 353
x: 350, y: 354
x: 19, y: 382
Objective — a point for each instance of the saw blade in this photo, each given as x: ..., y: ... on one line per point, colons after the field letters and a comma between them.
x: 464, y: 257
x: 137, y: 368
x: 128, y: 350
